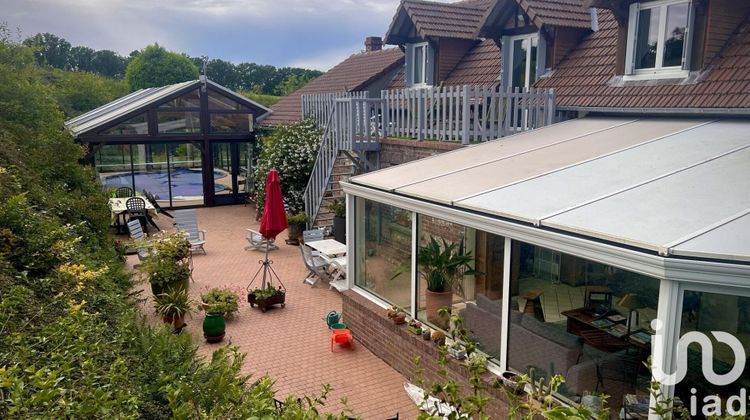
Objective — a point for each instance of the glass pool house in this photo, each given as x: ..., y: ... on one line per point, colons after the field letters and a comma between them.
x: 188, y: 144
x: 596, y: 244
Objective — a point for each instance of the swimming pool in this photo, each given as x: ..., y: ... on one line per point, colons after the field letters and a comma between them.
x: 185, y: 182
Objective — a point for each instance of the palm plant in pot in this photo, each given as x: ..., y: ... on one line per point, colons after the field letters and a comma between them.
x: 338, y: 208
x: 442, y: 266
x: 173, y: 306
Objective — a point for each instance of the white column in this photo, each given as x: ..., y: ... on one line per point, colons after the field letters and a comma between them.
x: 666, y: 337
x: 414, y: 268
x: 354, y: 234
x: 505, y: 328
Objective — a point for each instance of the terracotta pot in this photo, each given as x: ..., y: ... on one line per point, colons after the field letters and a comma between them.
x: 434, y: 301
x: 399, y: 319
x: 295, y: 233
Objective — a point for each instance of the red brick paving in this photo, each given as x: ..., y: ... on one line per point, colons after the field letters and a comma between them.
x: 290, y: 344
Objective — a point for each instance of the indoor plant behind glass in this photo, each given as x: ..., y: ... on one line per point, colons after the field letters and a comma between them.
x: 442, y: 266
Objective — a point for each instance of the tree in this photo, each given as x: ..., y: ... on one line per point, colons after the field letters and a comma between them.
x: 81, y: 59
x: 223, y: 73
x: 292, y: 83
x: 110, y: 64
x: 155, y: 66
x: 50, y: 49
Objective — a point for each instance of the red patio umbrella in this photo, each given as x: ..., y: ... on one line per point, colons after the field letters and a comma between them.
x: 273, y: 221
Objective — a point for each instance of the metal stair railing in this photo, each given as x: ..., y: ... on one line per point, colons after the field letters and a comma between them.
x: 321, y: 173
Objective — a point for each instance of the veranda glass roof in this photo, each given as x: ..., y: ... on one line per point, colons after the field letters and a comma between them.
x: 675, y: 186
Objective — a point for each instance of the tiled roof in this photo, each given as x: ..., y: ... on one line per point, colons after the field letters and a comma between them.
x: 354, y: 73
x: 582, y: 79
x: 480, y: 66
x: 450, y: 20
x: 568, y: 13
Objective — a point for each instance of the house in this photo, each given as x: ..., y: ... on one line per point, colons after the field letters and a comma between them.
x: 188, y: 144
x: 601, y: 241
x: 368, y: 71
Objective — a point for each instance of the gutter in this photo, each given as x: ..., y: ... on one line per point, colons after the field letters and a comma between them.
x: 739, y: 112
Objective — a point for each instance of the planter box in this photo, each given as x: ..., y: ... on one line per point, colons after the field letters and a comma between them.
x: 458, y: 354
x: 414, y: 330
x: 264, y: 304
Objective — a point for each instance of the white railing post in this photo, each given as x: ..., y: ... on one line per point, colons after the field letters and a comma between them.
x: 465, y: 116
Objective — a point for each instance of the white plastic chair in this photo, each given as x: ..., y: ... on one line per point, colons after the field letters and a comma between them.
x: 312, y: 235
x: 187, y: 221
x: 317, y: 267
x: 136, y: 232
x: 258, y: 242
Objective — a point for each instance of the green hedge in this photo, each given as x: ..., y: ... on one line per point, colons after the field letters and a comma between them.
x: 73, y: 342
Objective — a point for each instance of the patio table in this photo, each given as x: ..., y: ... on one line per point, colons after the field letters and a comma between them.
x: 329, y: 247
x: 117, y: 207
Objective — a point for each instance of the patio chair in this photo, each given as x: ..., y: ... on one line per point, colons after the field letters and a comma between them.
x: 258, y: 243
x: 317, y: 267
x: 136, y: 233
x: 312, y: 235
x: 187, y: 221
x: 154, y: 202
x: 124, y: 192
x: 338, y: 272
x: 136, y: 209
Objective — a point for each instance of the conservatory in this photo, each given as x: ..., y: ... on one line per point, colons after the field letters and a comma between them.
x: 594, y: 245
x: 188, y: 144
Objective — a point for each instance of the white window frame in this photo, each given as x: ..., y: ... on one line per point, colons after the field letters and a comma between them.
x: 511, y: 43
x: 425, y: 47
x: 658, y: 71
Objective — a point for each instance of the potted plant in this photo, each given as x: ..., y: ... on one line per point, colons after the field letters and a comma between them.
x: 513, y: 382
x: 168, y: 266
x: 457, y: 350
x: 438, y: 337
x: 297, y: 223
x: 414, y: 327
x: 442, y: 267
x: 265, y: 298
x: 214, y: 325
x: 173, y: 306
x: 220, y: 300
x: 338, y: 208
x: 426, y: 333
x: 397, y: 315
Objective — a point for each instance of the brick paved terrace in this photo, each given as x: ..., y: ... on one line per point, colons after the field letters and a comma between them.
x: 289, y: 344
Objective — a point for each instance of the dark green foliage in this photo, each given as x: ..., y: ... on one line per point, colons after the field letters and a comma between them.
x: 73, y: 343
x: 292, y: 151
x: 155, y: 67
x: 258, y: 79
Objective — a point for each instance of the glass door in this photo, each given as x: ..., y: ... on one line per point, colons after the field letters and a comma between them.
x: 232, y: 171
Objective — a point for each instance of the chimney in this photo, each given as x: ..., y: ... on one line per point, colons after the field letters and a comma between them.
x: 373, y: 43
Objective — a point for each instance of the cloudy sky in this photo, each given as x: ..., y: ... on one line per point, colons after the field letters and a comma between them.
x: 306, y: 33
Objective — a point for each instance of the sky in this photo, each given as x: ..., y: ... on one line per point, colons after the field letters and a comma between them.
x: 301, y: 33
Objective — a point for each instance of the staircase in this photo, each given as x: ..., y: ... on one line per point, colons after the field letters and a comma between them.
x: 349, y: 145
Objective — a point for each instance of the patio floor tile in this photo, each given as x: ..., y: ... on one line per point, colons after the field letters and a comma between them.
x: 290, y: 344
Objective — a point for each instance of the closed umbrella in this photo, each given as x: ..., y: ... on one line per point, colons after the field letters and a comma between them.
x: 272, y: 223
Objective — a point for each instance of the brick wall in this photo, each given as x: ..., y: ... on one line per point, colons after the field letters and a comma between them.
x: 397, y: 347
x: 395, y: 152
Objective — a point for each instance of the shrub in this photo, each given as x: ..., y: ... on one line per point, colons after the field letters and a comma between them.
x: 221, y: 301
x: 292, y: 151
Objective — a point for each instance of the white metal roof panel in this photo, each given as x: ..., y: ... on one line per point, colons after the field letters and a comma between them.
x: 462, y: 159
x: 728, y: 241
x: 575, y: 186
x: 459, y: 185
x: 658, y: 214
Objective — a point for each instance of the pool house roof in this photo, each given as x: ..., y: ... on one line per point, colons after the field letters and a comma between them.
x: 670, y: 186
x: 143, y: 99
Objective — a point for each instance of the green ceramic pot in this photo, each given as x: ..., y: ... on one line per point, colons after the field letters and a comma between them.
x: 214, y: 327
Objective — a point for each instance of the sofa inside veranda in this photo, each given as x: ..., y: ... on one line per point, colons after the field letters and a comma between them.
x: 546, y: 347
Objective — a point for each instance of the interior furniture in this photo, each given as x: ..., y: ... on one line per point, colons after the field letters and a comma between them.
x: 598, y: 299
x: 534, y: 304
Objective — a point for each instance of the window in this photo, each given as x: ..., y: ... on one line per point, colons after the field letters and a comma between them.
x: 383, y: 252
x: 231, y: 123
x: 523, y: 61
x: 658, y: 38
x: 585, y: 320
x: 188, y: 100
x: 179, y: 122
x: 221, y: 102
x: 419, y: 63
x: 134, y: 126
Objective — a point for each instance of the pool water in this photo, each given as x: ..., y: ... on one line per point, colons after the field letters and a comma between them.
x: 185, y: 182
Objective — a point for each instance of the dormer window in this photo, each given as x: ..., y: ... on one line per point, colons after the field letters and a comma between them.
x: 658, y: 39
x: 419, y: 64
